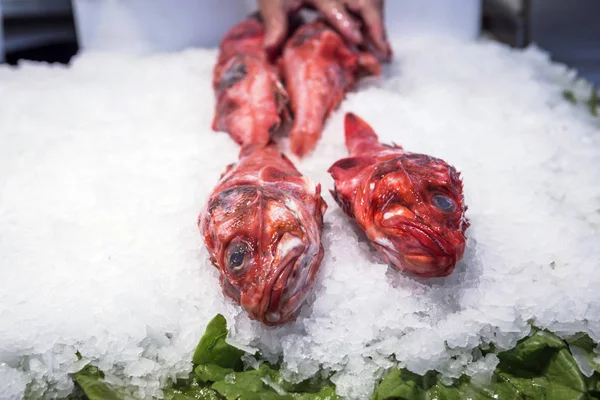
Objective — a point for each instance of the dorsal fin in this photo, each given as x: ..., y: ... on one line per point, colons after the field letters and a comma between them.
x: 360, y: 137
x: 344, y: 173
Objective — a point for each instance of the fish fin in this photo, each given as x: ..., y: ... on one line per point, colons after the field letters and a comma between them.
x: 282, y: 102
x: 270, y: 174
x: 303, y: 142
x: 228, y: 169
x: 344, y: 172
x: 360, y: 136
x: 346, y: 168
x: 344, y: 203
x: 322, y: 205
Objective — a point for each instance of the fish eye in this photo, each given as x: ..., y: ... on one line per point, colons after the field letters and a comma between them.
x: 236, y: 256
x: 443, y: 202
x: 232, y: 76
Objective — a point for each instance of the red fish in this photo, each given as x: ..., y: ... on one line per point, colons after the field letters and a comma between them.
x: 245, y: 38
x: 251, y: 102
x: 319, y: 68
x: 410, y: 205
x: 262, y: 227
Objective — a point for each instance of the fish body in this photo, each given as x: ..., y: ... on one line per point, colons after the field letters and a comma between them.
x: 318, y: 68
x: 251, y: 102
x: 262, y: 227
x: 410, y: 206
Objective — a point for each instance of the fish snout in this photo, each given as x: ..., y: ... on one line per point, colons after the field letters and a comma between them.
x: 420, y: 250
x: 292, y: 281
x: 436, y: 256
x: 429, y: 266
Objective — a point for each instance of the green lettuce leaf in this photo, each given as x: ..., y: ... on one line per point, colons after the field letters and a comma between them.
x: 189, y: 389
x: 194, y: 392
x: 218, y: 366
x: 401, y: 384
x: 542, y: 367
x: 213, y: 349
x: 568, y: 95
x: 262, y: 383
x: 326, y: 393
x: 91, y: 381
x: 212, y: 373
x: 539, y: 367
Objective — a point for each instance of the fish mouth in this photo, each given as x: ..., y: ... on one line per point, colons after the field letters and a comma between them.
x: 289, y: 286
x: 421, y: 251
x: 276, y: 301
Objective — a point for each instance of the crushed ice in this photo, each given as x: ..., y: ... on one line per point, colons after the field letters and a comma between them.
x: 105, y: 165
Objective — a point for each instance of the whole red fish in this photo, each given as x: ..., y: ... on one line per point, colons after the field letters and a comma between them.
x: 319, y: 68
x: 251, y: 102
x: 262, y: 227
x: 410, y: 205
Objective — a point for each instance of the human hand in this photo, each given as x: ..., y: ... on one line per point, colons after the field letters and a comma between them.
x: 337, y: 13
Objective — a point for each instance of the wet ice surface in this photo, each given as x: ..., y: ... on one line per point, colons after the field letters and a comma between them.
x: 105, y: 165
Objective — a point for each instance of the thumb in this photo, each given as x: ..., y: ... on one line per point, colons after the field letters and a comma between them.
x: 275, y: 21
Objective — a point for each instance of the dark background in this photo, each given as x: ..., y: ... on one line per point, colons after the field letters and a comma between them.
x: 44, y: 30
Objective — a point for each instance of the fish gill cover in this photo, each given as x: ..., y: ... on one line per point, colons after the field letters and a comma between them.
x: 105, y: 165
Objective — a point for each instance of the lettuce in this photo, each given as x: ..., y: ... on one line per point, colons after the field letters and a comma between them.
x: 217, y: 374
x: 91, y: 380
x: 541, y: 366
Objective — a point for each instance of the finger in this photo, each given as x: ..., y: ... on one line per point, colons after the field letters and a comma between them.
x: 336, y: 14
x: 275, y: 20
x: 372, y: 15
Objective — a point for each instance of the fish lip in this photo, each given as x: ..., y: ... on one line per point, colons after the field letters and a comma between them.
x: 288, y: 264
x: 440, y: 246
x: 439, y: 250
x: 435, y: 270
x: 433, y: 241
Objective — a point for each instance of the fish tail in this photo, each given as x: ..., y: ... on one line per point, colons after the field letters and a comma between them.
x: 303, y: 141
x: 360, y: 137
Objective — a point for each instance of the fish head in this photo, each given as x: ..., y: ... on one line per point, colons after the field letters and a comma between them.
x: 245, y: 38
x: 249, y: 31
x: 265, y: 251
x: 418, y: 214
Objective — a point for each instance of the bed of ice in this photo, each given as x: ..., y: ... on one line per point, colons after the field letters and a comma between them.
x: 104, y: 166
